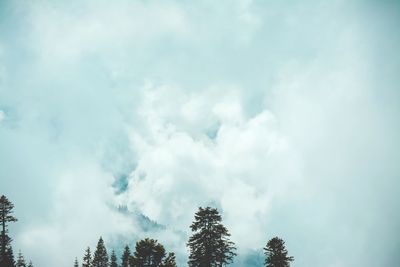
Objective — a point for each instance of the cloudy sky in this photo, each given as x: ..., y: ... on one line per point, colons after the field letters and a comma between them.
x: 282, y: 114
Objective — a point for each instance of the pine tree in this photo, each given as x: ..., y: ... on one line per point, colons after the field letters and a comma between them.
x: 10, y: 261
x: 209, y: 245
x: 100, y: 257
x: 126, y: 257
x: 76, y: 264
x: 30, y: 264
x: 113, y: 259
x: 87, y: 258
x: 169, y: 261
x: 6, y: 210
x: 276, y: 254
x: 21, y: 260
x: 150, y: 253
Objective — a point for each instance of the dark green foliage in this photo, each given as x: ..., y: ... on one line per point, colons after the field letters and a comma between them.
x: 276, y: 254
x: 6, y: 210
x: 209, y: 245
x: 150, y: 253
x: 76, y: 264
x: 10, y: 261
x: 21, y: 260
x: 126, y: 257
x: 87, y: 258
x: 113, y: 259
x: 100, y: 257
x: 169, y: 261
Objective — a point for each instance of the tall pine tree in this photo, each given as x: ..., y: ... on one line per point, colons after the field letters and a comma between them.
x: 276, y: 253
x: 87, y: 258
x: 209, y: 245
x: 113, y: 260
x: 100, y: 257
x: 126, y: 257
x: 6, y: 210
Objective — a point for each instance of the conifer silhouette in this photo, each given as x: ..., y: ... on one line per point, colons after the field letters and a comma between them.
x: 150, y: 253
x: 6, y: 210
x: 113, y: 260
x: 87, y: 258
x: 276, y: 253
x: 21, y: 260
x: 100, y: 257
x: 209, y: 245
x: 126, y: 257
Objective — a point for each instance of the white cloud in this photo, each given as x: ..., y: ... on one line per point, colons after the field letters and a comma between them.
x: 243, y: 169
x: 61, y: 37
x: 82, y: 210
x: 283, y: 116
x: 2, y: 116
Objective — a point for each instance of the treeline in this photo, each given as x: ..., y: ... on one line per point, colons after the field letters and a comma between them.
x: 6, y: 251
x: 209, y: 246
x: 148, y: 252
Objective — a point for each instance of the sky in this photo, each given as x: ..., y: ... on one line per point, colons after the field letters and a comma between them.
x: 120, y: 118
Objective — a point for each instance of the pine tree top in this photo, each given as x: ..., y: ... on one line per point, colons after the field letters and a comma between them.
x: 100, y: 257
x: 276, y: 253
x: 205, y: 218
x: 209, y: 245
x: 113, y: 259
x: 6, y: 209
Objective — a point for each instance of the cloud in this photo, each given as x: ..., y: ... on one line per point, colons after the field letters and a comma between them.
x: 282, y: 116
x: 2, y: 116
x: 243, y: 169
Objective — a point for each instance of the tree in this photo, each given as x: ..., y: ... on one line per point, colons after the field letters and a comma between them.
x: 10, y: 261
x: 276, y: 254
x: 6, y: 210
x: 126, y: 257
x: 113, y: 259
x: 150, y: 253
x: 87, y: 258
x: 100, y: 257
x: 169, y: 261
x: 30, y: 264
x: 21, y: 260
x: 209, y: 246
x: 76, y: 264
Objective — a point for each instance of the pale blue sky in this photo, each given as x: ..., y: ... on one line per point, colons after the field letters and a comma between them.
x: 283, y: 114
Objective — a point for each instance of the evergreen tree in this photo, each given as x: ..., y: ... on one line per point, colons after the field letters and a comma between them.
x: 21, y: 260
x: 100, y: 257
x: 6, y: 210
x: 126, y: 257
x: 276, y: 253
x: 30, y: 264
x: 169, y: 261
x: 76, y: 264
x: 87, y: 258
x: 150, y: 253
x: 209, y: 245
x: 113, y: 259
x: 10, y: 261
